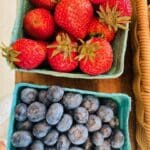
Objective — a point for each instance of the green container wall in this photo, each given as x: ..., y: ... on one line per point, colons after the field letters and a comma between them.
x: 123, y: 101
x: 119, y: 46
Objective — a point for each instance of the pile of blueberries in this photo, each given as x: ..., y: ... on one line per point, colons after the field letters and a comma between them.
x: 56, y: 120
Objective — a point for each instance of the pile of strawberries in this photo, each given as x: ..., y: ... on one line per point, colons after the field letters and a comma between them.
x: 70, y: 34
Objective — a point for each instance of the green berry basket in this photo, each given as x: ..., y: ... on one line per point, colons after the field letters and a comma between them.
x: 119, y: 46
x: 123, y: 101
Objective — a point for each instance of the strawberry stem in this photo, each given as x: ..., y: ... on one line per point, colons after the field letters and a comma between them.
x: 10, y: 54
x: 113, y: 18
x: 64, y: 45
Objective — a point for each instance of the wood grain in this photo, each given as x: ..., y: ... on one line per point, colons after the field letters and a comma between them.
x: 119, y: 85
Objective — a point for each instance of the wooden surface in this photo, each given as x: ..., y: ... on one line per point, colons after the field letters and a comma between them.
x: 122, y: 84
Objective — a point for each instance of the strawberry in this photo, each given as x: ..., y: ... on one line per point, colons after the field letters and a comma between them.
x: 39, y: 24
x: 115, y: 13
x: 47, y: 4
x: 123, y: 6
x: 96, y: 2
x: 97, y: 28
x: 62, y: 54
x: 25, y: 53
x: 96, y: 56
x: 74, y: 16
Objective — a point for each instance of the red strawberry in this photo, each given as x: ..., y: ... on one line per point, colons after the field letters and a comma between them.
x: 115, y: 13
x: 74, y: 16
x: 123, y: 6
x: 39, y: 24
x: 62, y: 54
x: 25, y: 53
x: 96, y: 56
x: 96, y: 2
x: 48, y: 4
x: 97, y: 28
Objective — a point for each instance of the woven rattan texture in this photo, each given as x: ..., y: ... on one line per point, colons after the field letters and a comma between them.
x: 141, y: 84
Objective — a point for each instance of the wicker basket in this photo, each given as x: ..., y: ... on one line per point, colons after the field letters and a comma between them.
x: 141, y: 84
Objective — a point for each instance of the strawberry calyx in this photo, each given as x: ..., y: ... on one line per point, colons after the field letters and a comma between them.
x: 10, y: 54
x: 55, y: 1
x: 87, y: 50
x: 97, y: 34
x: 63, y: 45
x: 113, y: 18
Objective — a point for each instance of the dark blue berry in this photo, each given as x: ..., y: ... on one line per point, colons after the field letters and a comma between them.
x: 43, y: 98
x: 111, y: 104
x: 21, y: 112
x: 27, y: 148
x: 117, y: 140
x: 88, y: 145
x: 41, y: 129
x: 105, y: 146
x: 54, y: 113
x: 78, y: 134
x: 21, y: 139
x: 63, y: 143
x: 76, y: 148
x: 55, y: 93
x: 29, y: 95
x: 49, y: 148
x: 114, y: 122
x: 94, y: 123
x: 105, y: 113
x: 36, y: 112
x: 81, y: 115
x: 37, y: 145
x: 72, y: 100
x: 91, y: 103
x: 51, y: 138
x: 26, y: 125
x: 106, y: 131
x: 65, y: 123
x: 97, y: 139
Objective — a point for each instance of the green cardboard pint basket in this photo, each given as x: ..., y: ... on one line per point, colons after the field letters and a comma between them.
x: 119, y: 46
x: 122, y: 100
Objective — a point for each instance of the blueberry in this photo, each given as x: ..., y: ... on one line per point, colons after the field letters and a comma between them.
x: 72, y: 100
x: 81, y: 115
x: 97, y: 139
x: 88, y: 145
x: 41, y: 129
x: 21, y: 139
x: 78, y: 134
x: 36, y: 112
x: 111, y: 104
x: 49, y: 148
x: 27, y: 148
x: 63, y: 143
x: 51, y: 138
x: 54, y: 113
x: 114, y: 122
x: 105, y: 113
x: 21, y: 112
x: 43, y: 98
x: 94, y: 123
x: 65, y: 123
x: 106, y: 131
x: 76, y: 148
x: 26, y: 125
x: 117, y: 140
x: 37, y: 145
x: 29, y: 95
x: 91, y: 103
x: 55, y: 93
x: 105, y: 146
